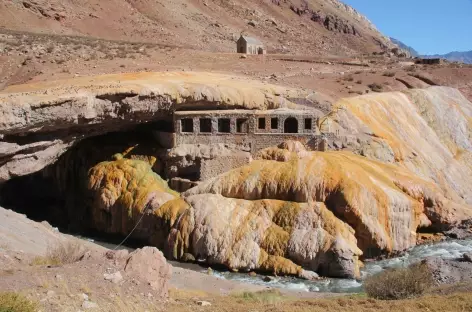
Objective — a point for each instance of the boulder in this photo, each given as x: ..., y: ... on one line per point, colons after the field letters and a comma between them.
x: 149, y: 264
x: 308, y: 275
x: 187, y: 257
x: 449, y: 271
x: 468, y: 257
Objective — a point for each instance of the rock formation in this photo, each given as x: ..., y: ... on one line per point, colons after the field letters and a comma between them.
x: 427, y: 131
x: 288, y: 211
x: 39, y: 122
x: 384, y: 204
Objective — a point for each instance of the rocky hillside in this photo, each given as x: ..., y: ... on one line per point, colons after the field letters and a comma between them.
x: 402, y: 45
x: 312, y: 27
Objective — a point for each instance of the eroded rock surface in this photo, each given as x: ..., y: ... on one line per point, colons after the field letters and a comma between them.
x: 40, y: 121
x: 385, y: 204
x: 296, y: 210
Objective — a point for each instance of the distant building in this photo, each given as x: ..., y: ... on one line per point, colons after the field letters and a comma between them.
x: 250, y: 45
x: 430, y: 61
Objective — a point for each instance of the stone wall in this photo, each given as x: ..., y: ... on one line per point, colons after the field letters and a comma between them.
x: 212, y: 167
x: 261, y: 128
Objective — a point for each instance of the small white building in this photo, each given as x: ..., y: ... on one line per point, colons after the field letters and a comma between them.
x: 250, y: 45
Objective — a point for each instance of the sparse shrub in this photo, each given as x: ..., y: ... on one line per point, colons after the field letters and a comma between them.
x: 270, y: 296
x: 62, y: 253
x: 411, y: 68
x: 12, y: 302
x: 399, y: 283
x: 50, y: 48
x: 122, y: 53
x: 357, y: 72
x: 389, y: 74
x: 359, y: 81
x: 376, y: 87
x: 349, y: 78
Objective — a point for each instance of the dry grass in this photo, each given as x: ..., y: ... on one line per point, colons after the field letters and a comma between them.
x: 62, y: 253
x: 376, y: 87
x: 348, y: 78
x: 459, y: 302
x: 389, y: 74
x: 12, y: 302
x: 400, y: 283
x: 270, y: 296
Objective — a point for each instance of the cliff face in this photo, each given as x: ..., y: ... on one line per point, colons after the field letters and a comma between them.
x: 408, y: 169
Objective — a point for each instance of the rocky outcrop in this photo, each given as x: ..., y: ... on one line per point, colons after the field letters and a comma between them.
x: 273, y: 236
x: 122, y: 191
x: 450, y: 271
x: 40, y: 121
x: 384, y: 204
x: 426, y: 131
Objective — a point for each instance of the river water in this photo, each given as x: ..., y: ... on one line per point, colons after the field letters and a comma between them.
x: 448, y: 250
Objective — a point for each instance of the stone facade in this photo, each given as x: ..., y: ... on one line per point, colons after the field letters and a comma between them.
x: 253, y: 130
x: 210, y: 168
x: 247, y: 130
x: 429, y: 61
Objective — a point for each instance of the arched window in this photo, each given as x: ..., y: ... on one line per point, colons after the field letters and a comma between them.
x: 291, y: 125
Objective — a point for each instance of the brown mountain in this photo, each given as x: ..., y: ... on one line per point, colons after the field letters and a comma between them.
x: 314, y: 27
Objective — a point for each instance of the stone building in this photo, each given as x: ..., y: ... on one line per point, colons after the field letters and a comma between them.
x: 254, y: 130
x: 244, y: 131
x: 430, y: 61
x: 250, y: 45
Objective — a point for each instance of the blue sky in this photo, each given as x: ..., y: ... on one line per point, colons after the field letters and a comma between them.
x: 429, y: 26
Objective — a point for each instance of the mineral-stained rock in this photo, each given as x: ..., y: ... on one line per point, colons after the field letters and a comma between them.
x: 121, y: 190
x: 267, y: 235
x: 383, y: 203
x: 289, y: 210
x: 150, y: 265
x: 426, y: 131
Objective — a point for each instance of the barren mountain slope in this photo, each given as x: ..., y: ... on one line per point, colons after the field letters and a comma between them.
x: 284, y: 26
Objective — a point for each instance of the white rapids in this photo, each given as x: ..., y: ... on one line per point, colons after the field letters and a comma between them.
x: 447, y: 250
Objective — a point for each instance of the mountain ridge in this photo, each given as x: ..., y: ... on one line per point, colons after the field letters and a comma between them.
x: 454, y: 56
